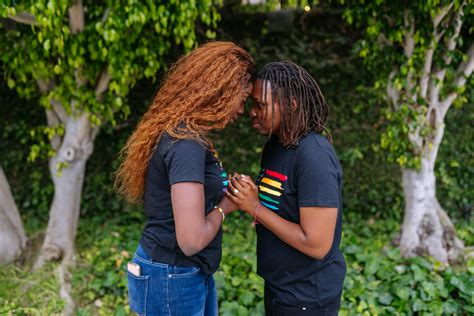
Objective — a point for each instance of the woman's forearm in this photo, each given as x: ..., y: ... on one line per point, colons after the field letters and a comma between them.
x: 212, y: 224
x: 289, y: 232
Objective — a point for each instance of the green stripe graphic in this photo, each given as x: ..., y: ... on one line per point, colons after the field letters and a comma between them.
x: 266, y: 198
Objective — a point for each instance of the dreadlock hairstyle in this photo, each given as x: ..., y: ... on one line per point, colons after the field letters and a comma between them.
x: 195, y: 98
x: 290, y: 83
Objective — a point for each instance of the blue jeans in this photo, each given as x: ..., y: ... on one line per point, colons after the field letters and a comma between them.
x: 164, y: 289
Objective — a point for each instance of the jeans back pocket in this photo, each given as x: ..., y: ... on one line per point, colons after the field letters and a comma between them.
x: 137, y: 293
x: 184, y: 272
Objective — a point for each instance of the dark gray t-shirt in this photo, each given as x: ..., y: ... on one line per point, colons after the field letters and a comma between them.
x: 175, y: 161
x: 309, y: 175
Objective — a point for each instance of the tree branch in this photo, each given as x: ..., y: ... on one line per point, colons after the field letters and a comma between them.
x: 76, y: 17
x: 81, y: 81
x: 24, y: 18
x: 451, y: 43
x: 44, y: 86
x: 383, y: 40
x: 425, y: 77
x: 442, y: 14
x: 103, y: 84
x: 392, y: 91
x: 424, y: 82
x: 105, y: 16
x: 53, y: 119
x: 463, y: 72
x: 56, y: 106
x: 409, y: 45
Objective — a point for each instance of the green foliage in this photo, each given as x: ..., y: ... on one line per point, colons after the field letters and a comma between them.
x: 240, y: 289
x: 25, y: 293
x: 100, y: 284
x: 371, y: 186
x: 387, y: 28
x: 401, y: 151
x: 379, y: 281
x: 273, y: 5
x: 126, y: 41
x: 455, y: 165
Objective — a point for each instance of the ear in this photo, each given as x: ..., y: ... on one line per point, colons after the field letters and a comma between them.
x: 294, y: 105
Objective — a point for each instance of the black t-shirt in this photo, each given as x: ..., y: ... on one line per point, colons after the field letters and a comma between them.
x: 309, y: 175
x: 174, y: 161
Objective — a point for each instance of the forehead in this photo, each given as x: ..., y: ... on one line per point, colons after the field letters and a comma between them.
x: 257, y: 91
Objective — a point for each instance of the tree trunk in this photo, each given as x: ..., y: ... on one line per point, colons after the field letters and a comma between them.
x: 12, y: 234
x: 75, y: 150
x: 426, y: 227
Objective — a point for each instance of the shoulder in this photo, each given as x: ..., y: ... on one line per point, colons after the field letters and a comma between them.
x: 169, y: 146
x: 316, y: 148
x: 314, y: 140
x: 167, y: 143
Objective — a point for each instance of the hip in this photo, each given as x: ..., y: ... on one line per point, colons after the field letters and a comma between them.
x: 157, y: 288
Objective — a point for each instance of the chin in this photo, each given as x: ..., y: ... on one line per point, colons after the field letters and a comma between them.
x: 262, y: 131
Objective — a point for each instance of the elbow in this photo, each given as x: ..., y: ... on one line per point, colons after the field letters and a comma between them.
x: 319, y: 253
x: 190, y: 247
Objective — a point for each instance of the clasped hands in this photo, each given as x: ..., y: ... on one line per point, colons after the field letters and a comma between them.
x: 243, y: 192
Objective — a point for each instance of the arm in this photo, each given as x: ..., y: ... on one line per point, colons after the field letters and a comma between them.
x: 185, y: 161
x: 313, y: 236
x: 193, y: 230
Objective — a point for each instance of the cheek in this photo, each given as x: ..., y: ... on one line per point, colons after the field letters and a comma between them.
x: 261, y: 115
x: 267, y: 118
x: 235, y: 108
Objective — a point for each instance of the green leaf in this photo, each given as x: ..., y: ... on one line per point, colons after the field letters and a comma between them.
x: 403, y: 293
x: 57, y: 69
x: 247, y: 298
x: 11, y: 83
x: 386, y: 298
x: 47, y: 45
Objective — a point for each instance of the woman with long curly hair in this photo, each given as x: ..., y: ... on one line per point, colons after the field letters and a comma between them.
x: 170, y: 163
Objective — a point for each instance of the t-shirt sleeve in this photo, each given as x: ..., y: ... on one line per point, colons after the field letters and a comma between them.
x: 185, y: 161
x: 317, y: 179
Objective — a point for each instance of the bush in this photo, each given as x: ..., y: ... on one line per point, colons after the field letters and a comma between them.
x: 378, y: 281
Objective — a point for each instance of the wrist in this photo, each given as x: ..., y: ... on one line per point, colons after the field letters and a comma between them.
x: 221, y: 211
x: 253, y: 207
x: 255, y: 214
x: 227, y: 205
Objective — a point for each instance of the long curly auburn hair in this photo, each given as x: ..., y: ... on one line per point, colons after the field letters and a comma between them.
x: 196, y: 97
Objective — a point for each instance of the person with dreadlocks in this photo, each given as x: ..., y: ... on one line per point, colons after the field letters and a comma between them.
x: 297, y: 199
x: 170, y: 164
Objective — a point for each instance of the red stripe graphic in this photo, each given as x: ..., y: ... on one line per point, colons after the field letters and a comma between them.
x: 277, y: 175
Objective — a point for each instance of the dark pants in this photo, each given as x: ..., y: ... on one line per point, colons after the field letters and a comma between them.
x: 330, y: 309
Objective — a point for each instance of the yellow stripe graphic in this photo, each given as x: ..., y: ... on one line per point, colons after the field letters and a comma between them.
x: 270, y: 191
x: 273, y: 183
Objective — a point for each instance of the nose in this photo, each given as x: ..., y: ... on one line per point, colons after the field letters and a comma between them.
x: 252, y: 112
x: 241, y: 109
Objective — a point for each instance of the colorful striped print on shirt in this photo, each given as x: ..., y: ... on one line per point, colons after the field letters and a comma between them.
x: 270, y: 188
x: 225, y: 180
